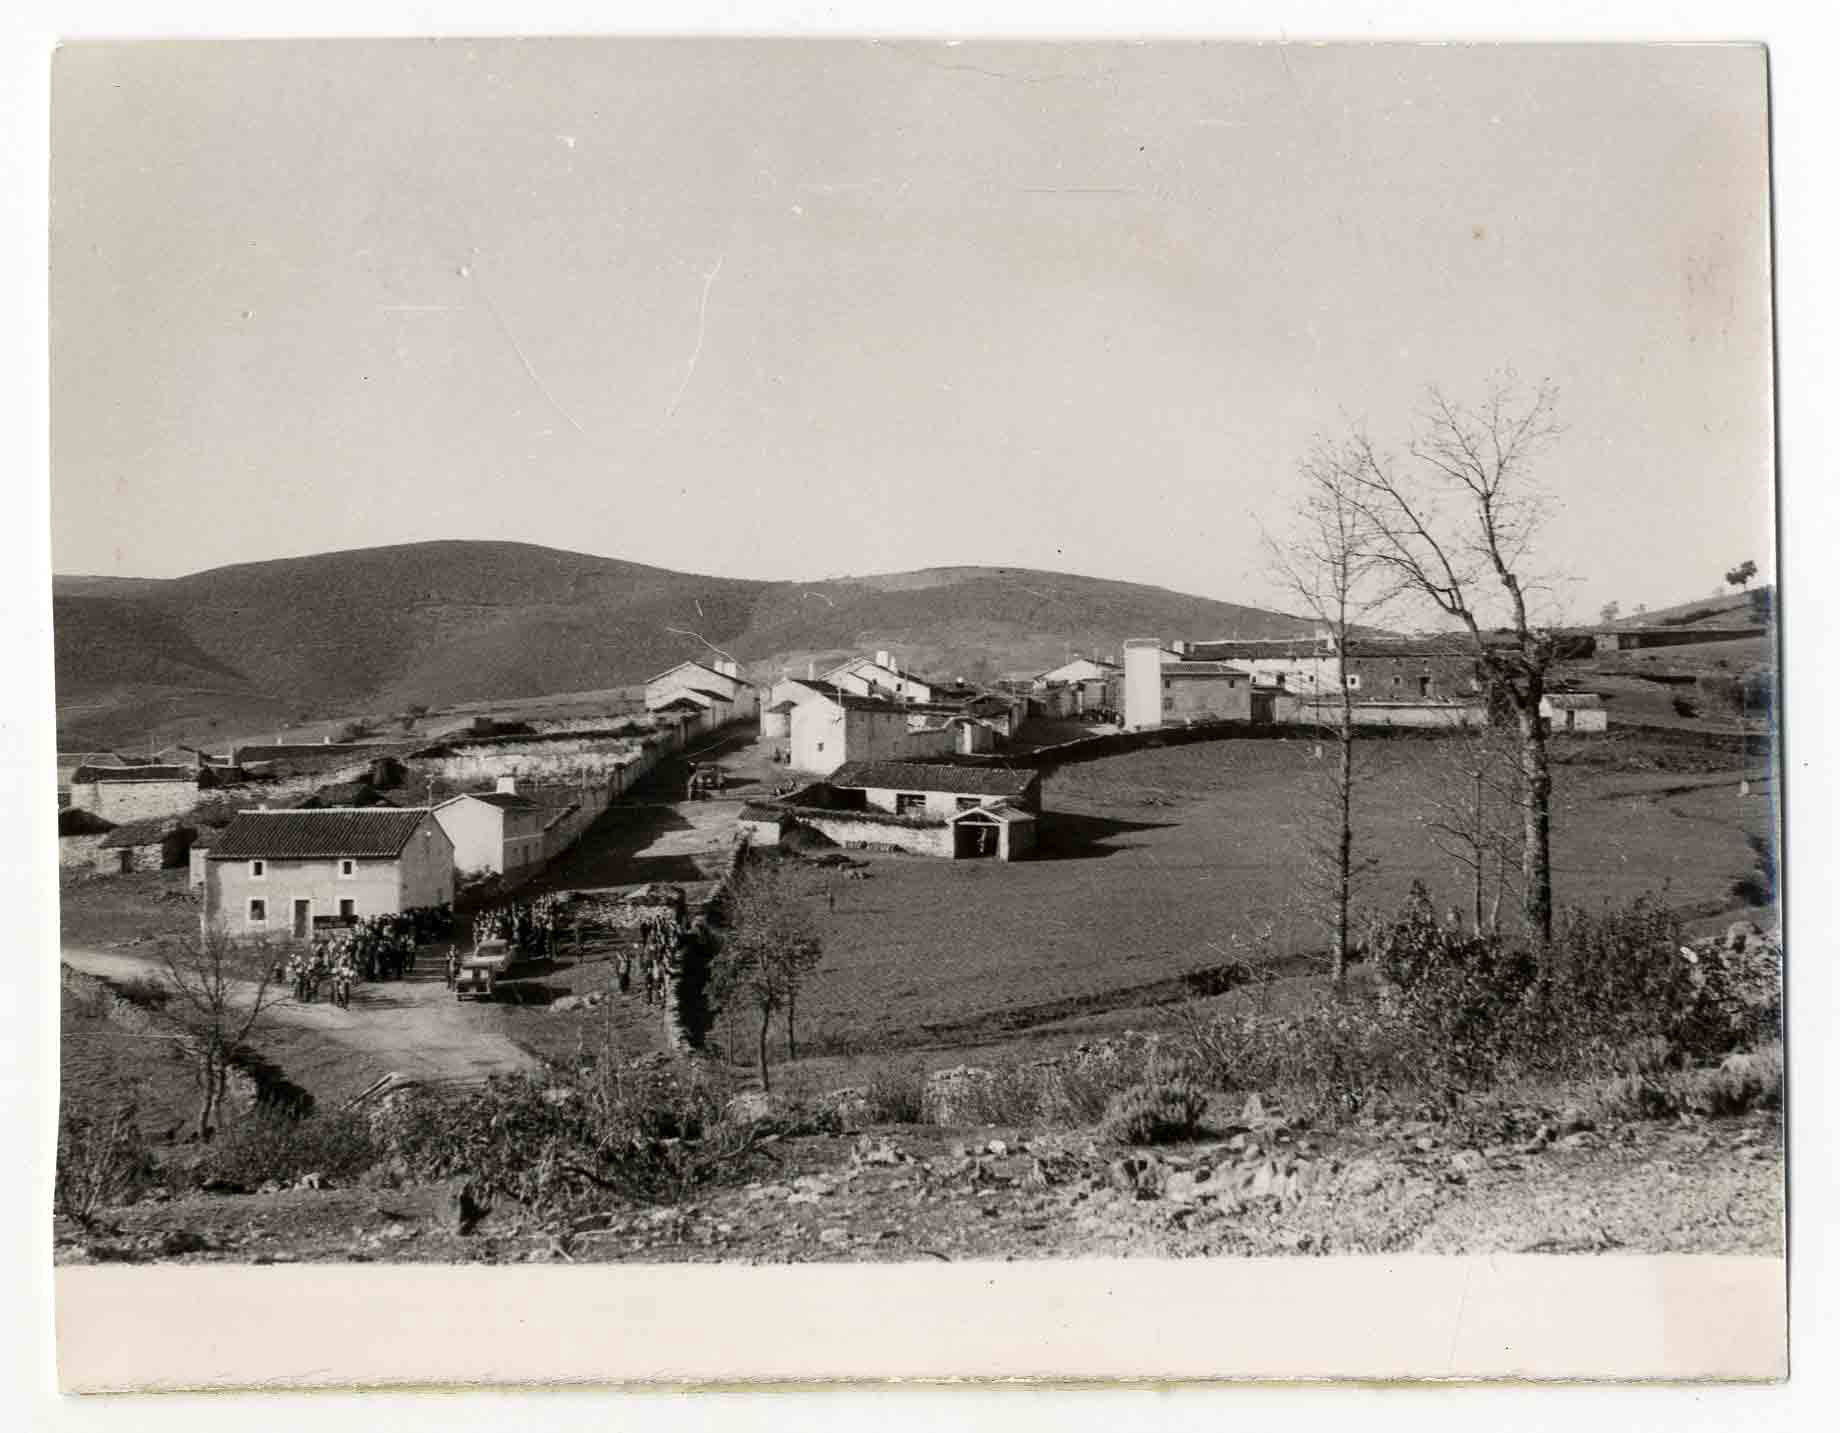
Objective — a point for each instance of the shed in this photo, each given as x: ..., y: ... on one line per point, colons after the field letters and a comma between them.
x: 156, y: 843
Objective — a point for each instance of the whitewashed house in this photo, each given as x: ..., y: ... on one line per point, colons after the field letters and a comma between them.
x: 273, y: 873
x: 499, y: 832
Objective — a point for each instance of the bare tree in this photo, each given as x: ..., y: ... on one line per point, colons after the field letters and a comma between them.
x: 1327, y: 561
x: 1474, y: 798
x: 1457, y: 526
x: 220, y: 994
x: 769, y: 948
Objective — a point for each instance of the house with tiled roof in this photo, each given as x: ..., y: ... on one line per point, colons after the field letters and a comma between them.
x: 954, y: 810
x: 498, y: 833
x: 883, y: 676
x: 276, y: 873
x: 716, y: 688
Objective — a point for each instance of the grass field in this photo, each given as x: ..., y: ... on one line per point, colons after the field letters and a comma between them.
x: 1162, y: 862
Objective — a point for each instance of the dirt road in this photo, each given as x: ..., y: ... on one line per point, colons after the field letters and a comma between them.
x: 414, y: 1027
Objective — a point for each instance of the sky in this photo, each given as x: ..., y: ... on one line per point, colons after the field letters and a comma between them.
x: 798, y: 309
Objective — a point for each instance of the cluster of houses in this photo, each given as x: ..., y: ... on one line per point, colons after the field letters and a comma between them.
x: 285, y: 838
x: 1425, y: 681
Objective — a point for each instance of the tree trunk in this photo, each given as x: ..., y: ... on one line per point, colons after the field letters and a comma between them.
x: 1536, y: 857
x: 792, y: 1010
x: 1344, y: 844
x: 1482, y: 854
x: 766, y: 1087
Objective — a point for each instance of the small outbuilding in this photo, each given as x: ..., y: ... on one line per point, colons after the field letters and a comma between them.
x: 80, y: 832
x: 157, y: 843
x: 1574, y: 712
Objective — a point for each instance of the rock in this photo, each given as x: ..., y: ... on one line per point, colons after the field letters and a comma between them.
x: 218, y: 1185
x: 834, y: 1235
x: 997, y: 1147
x: 269, y: 1186
x: 1468, y: 1161
x: 1578, y: 1139
x: 1183, y: 1187
x: 181, y: 1241
x: 1253, y: 1111
x: 749, y: 1107
x: 1364, y: 1176
x: 1573, y: 1119
x: 1739, y: 934
x: 878, y: 1152
x: 1138, y: 1175
x: 566, y: 1004
x: 315, y: 1180
x: 1264, y: 1178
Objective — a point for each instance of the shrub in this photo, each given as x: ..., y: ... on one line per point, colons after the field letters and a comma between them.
x: 270, y: 1144
x: 595, y: 1128
x: 895, y: 1095
x: 1738, y: 1085
x: 1683, y: 707
x: 149, y: 992
x: 1159, y: 1110
x: 101, y: 1161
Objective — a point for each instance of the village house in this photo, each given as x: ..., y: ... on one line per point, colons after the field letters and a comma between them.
x: 495, y: 832
x: 716, y: 687
x: 155, y: 843
x: 787, y: 693
x: 826, y: 731
x: 273, y: 873
x: 881, y: 676
x: 1164, y: 687
x: 954, y: 811
x: 1082, y: 686
x: 1574, y: 712
x: 131, y: 793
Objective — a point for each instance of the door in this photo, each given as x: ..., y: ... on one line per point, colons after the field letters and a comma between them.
x: 303, y: 919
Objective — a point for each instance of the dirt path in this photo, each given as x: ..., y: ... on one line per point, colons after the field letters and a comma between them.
x: 414, y: 1027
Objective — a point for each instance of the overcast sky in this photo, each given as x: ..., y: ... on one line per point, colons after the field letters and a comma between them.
x: 799, y: 309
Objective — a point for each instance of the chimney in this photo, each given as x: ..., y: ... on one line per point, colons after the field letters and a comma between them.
x: 507, y: 786
x: 729, y: 669
x: 882, y: 659
x: 811, y: 671
x: 1180, y: 648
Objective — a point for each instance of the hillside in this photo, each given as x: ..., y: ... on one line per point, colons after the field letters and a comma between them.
x: 444, y: 622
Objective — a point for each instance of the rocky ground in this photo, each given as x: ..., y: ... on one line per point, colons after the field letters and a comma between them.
x: 1535, y: 1181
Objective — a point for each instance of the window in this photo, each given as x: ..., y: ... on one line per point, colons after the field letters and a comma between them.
x: 257, y: 870
x: 969, y: 803
x: 1169, y: 704
x: 258, y: 912
x: 348, y: 867
x: 1354, y: 681
x: 1424, y: 686
x: 347, y: 909
x: 909, y: 803
x: 1168, y: 685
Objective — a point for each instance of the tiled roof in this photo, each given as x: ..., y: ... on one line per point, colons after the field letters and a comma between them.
x: 145, y: 832
x: 925, y: 776
x: 1285, y: 649
x: 285, y: 835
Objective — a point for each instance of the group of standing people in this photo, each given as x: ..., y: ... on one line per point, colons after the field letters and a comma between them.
x: 306, y: 971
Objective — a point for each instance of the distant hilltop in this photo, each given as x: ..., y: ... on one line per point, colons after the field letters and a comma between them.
x: 438, y: 623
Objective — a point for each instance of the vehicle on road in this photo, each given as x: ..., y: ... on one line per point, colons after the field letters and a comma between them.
x: 480, y: 973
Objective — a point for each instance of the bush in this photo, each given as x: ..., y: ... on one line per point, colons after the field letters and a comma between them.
x: 1164, y: 1107
x: 896, y: 1095
x: 270, y: 1144
x: 1739, y: 1085
x: 593, y: 1129
x: 101, y: 1161
x: 1685, y: 708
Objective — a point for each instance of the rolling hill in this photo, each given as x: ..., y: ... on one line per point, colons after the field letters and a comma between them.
x: 436, y: 623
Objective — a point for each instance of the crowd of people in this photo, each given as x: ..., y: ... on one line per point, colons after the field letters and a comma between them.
x: 379, y: 947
